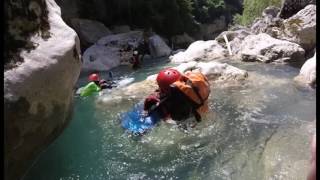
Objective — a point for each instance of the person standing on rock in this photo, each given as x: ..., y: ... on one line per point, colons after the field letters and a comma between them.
x: 135, y: 60
x: 179, y: 96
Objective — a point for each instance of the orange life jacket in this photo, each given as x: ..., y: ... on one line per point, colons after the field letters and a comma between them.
x: 195, y: 85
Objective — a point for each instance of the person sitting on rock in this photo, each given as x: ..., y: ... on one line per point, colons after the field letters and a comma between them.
x: 179, y: 96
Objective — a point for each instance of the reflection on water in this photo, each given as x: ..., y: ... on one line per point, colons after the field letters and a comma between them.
x: 234, y: 141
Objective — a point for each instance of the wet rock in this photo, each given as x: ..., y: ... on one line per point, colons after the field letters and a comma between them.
x: 307, y: 73
x: 300, y: 28
x: 89, y: 31
x: 291, y: 7
x: 263, y: 47
x: 38, y: 93
x: 200, y: 51
x: 157, y: 47
x: 182, y: 41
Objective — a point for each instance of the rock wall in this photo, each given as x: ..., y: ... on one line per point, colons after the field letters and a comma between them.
x: 38, y: 91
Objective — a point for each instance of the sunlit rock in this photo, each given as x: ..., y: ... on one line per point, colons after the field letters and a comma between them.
x: 200, y: 51
x: 300, y: 28
x: 38, y: 92
x: 264, y: 48
x: 234, y: 37
x: 307, y: 73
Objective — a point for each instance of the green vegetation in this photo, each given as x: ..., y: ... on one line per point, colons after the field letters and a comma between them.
x: 166, y: 17
x: 253, y: 9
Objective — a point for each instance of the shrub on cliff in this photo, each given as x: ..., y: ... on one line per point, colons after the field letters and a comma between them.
x: 253, y: 9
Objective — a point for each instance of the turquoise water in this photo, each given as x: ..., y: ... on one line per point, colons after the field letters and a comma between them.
x: 228, y: 144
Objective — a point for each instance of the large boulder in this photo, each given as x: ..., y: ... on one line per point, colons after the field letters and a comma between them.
x: 38, y: 93
x: 89, y: 31
x: 234, y: 37
x: 300, y: 28
x: 307, y: 73
x: 263, y: 47
x: 157, y: 47
x: 200, y: 51
x: 291, y: 7
x: 105, y: 53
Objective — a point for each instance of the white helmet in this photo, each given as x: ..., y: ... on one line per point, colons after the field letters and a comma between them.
x: 135, y: 52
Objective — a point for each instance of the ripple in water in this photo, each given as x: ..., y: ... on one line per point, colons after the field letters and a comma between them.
x: 232, y: 142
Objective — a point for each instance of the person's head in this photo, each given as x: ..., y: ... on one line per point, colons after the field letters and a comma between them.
x: 166, y: 77
x: 135, y: 52
x: 94, y: 77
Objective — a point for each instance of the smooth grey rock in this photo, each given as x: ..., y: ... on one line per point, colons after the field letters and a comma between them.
x: 38, y: 94
x: 157, y: 47
x: 200, y: 51
x: 301, y: 28
x: 308, y: 73
x: 89, y: 31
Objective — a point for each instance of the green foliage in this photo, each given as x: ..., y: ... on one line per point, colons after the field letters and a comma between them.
x: 237, y: 19
x: 253, y: 9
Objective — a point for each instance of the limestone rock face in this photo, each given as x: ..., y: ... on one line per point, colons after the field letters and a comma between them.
x: 38, y: 93
x: 308, y: 73
x: 264, y: 48
x: 301, y: 28
x: 200, y: 51
x: 89, y: 31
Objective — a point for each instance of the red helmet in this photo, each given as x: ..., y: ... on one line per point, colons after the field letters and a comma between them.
x: 94, y: 77
x: 166, y: 77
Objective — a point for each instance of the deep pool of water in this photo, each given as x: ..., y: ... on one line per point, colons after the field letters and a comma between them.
x: 229, y: 144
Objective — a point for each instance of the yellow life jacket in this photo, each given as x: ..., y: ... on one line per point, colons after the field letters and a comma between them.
x: 195, y: 85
